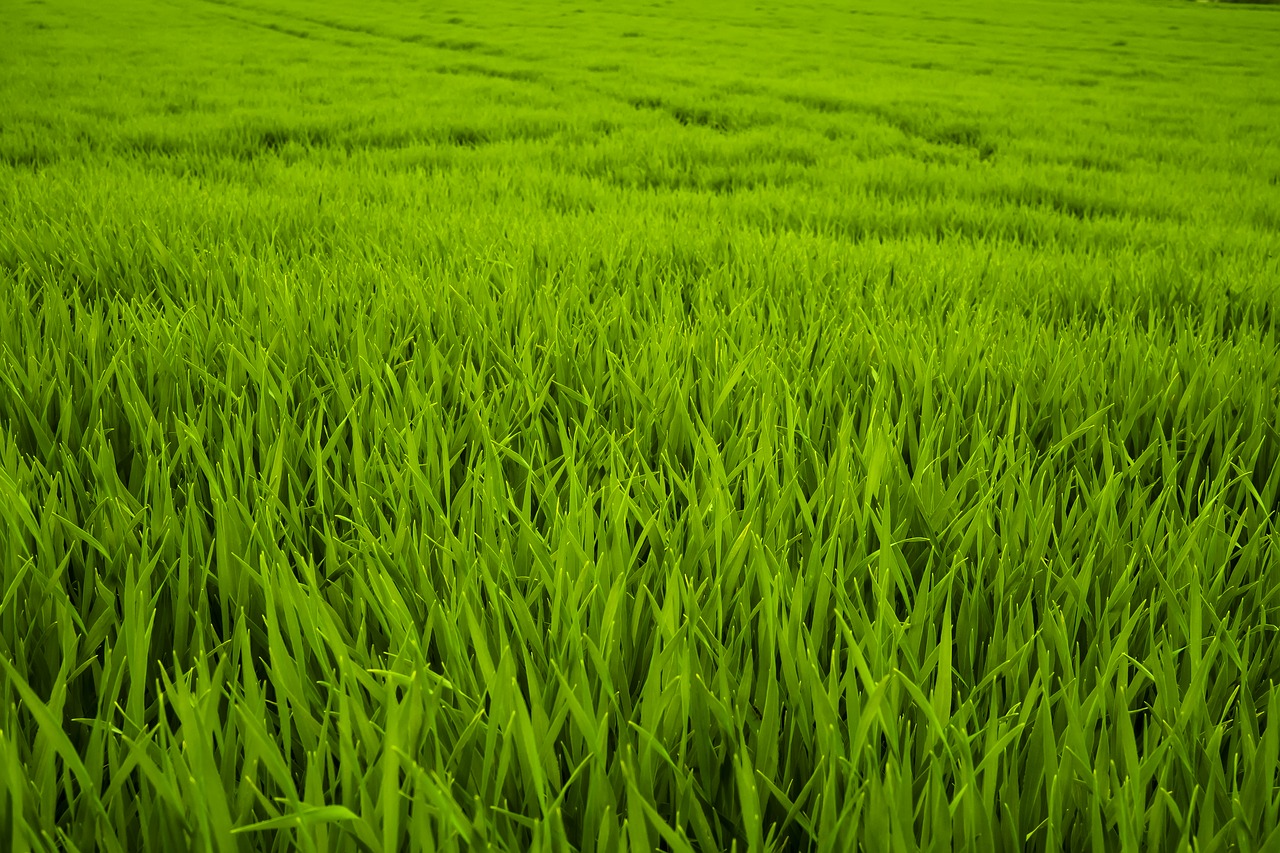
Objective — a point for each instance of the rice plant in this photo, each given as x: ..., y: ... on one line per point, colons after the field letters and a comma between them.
x: 524, y: 427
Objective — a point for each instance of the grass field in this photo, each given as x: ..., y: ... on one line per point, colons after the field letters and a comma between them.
x: 682, y: 426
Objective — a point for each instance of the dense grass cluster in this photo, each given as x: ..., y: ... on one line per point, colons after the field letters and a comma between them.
x: 630, y: 427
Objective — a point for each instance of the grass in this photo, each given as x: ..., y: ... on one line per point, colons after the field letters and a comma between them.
x: 526, y: 427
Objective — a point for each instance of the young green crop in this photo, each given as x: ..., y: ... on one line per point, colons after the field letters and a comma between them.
x: 639, y: 427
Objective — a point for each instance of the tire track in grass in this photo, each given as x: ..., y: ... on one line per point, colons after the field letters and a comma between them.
x: 229, y: 11
x: 516, y: 75
x: 452, y: 45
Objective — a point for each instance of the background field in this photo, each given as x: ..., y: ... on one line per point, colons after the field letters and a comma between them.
x: 633, y: 426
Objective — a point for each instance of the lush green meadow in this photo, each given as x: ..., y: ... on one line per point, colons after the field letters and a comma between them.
x: 629, y: 426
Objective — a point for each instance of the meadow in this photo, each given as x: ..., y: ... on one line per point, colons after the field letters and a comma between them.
x: 812, y: 426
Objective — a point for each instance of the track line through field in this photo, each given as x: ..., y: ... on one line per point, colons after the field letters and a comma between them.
x: 451, y: 45
x: 236, y: 12
x: 331, y: 32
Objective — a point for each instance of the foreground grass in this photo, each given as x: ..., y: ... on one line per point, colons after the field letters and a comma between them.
x: 639, y: 429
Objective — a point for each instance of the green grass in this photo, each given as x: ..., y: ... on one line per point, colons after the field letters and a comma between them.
x: 627, y: 427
